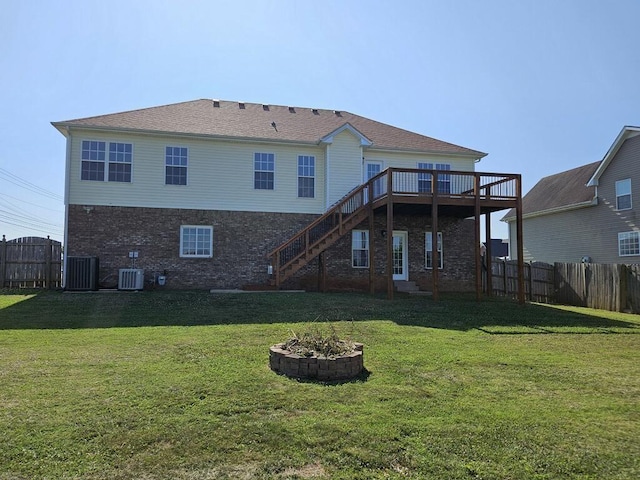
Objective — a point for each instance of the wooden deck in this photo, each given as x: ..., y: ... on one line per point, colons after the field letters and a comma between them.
x: 451, y: 193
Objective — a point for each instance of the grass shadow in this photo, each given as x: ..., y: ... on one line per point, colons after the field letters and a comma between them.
x: 57, y: 310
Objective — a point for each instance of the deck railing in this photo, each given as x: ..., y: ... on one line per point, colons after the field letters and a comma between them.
x: 404, y: 182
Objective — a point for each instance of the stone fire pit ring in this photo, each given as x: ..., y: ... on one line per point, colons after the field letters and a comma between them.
x: 343, y: 367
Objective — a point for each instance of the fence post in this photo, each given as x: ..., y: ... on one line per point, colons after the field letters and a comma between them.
x: 622, y: 303
x: 47, y: 259
x: 3, y: 261
x: 504, y: 277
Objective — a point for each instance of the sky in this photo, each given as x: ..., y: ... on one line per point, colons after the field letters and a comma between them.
x: 542, y: 86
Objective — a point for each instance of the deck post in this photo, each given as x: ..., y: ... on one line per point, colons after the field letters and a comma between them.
x: 519, y: 239
x: 372, y: 250
x: 435, y: 261
x: 276, y: 267
x: 390, y: 234
x: 477, y: 213
x: 487, y: 254
x: 322, y: 273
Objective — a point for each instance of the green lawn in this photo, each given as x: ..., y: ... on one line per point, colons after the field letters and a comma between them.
x: 175, y: 385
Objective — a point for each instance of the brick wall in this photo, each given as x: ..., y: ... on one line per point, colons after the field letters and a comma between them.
x: 242, y: 239
x: 457, y: 275
x: 240, y: 242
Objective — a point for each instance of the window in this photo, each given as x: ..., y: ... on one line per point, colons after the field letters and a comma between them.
x: 360, y: 249
x: 623, y: 194
x: 306, y: 176
x: 264, y: 167
x: 444, y: 179
x: 93, y: 158
x: 628, y: 243
x: 120, y: 162
x: 196, y: 242
x: 175, y: 166
x: 428, y: 251
x: 424, y: 179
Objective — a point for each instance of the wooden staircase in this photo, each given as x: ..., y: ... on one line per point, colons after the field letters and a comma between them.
x: 467, y: 192
x: 314, y: 239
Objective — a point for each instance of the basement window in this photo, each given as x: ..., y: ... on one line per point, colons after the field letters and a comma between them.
x: 196, y: 241
x: 360, y: 248
x: 428, y: 251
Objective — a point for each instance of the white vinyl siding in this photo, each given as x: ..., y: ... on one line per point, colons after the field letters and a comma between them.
x: 411, y: 160
x: 196, y: 241
x: 360, y: 248
x: 220, y: 176
x: 344, y: 166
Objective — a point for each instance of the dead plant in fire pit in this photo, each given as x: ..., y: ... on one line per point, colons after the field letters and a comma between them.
x: 314, y: 342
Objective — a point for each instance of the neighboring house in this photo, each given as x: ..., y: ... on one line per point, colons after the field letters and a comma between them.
x: 220, y: 194
x: 588, y: 213
x: 499, y: 248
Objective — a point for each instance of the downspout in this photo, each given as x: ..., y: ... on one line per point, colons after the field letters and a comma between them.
x: 67, y: 174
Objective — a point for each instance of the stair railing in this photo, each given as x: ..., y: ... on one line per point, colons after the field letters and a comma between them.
x: 336, y: 219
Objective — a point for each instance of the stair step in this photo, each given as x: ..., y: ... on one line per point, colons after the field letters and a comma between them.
x: 406, y: 286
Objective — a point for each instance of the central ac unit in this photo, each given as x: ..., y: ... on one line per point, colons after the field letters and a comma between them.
x: 131, y: 279
x: 82, y: 273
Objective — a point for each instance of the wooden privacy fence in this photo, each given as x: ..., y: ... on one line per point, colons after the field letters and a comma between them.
x: 613, y: 287
x: 30, y: 262
x: 538, y: 280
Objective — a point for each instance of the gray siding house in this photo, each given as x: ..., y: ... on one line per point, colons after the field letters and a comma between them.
x: 589, y: 214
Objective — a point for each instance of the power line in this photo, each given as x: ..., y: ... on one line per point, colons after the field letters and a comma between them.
x: 54, y: 232
x: 26, y: 218
x: 29, y: 203
x: 20, y: 182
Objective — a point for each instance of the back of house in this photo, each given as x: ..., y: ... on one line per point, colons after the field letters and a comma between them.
x: 198, y: 193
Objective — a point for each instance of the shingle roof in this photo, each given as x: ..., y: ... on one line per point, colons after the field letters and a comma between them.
x: 255, y: 121
x: 559, y: 190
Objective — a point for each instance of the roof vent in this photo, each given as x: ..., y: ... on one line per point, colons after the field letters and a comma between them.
x: 241, y: 105
x: 216, y: 103
x: 315, y: 111
x: 292, y: 110
x: 265, y: 107
x: 338, y: 113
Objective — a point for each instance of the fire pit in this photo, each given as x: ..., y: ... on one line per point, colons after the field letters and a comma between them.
x: 312, y: 365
